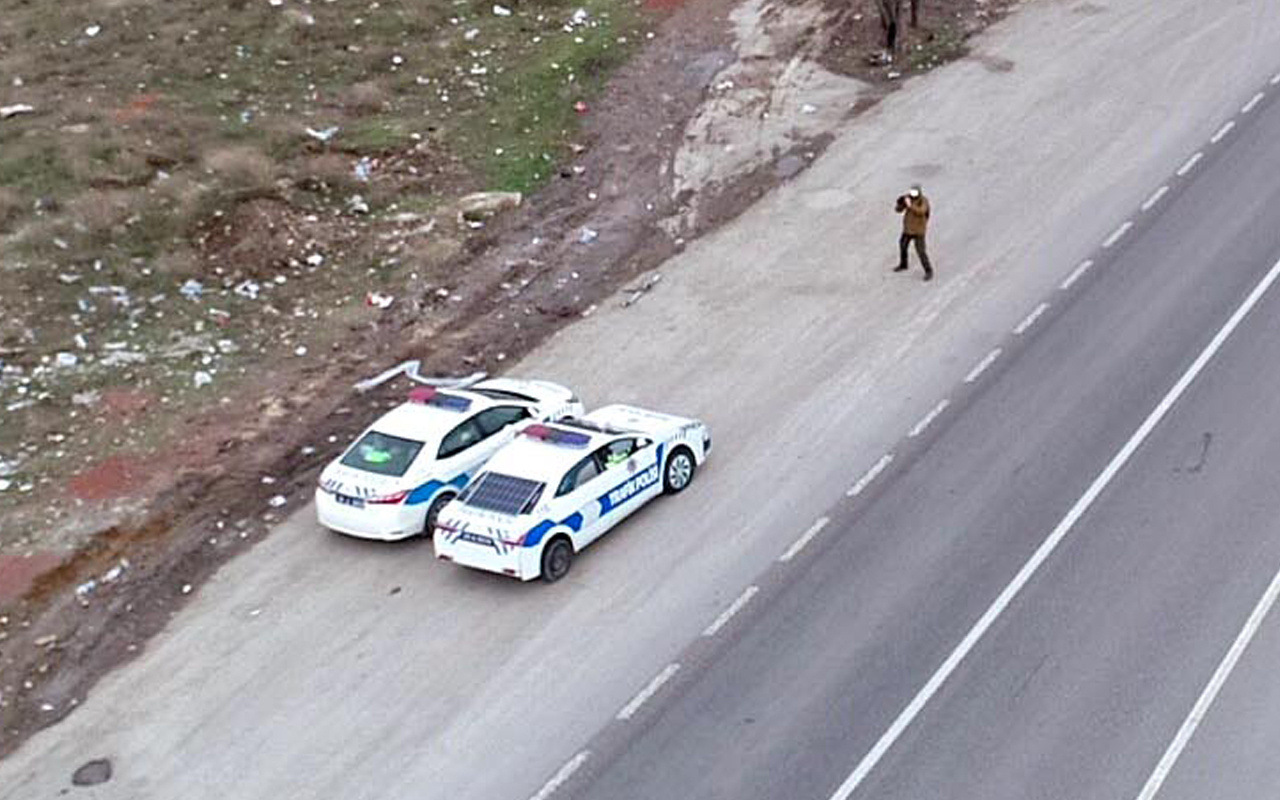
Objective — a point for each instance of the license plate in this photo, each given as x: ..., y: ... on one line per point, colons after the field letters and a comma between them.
x: 354, y: 502
x: 476, y: 538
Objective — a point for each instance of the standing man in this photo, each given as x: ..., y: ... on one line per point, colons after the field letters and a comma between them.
x: 914, y: 208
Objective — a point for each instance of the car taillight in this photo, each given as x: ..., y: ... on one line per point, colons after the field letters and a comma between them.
x: 390, y: 499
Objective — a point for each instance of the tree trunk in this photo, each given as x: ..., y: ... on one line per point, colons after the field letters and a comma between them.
x: 915, y: 13
x: 890, y: 13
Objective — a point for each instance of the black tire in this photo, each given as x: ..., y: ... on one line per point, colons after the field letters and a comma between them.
x: 679, y: 470
x: 557, y: 557
x: 433, y: 513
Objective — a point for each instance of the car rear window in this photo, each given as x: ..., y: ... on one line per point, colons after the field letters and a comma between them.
x: 505, y: 494
x: 382, y: 453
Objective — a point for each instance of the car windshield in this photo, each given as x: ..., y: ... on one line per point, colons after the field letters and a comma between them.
x: 382, y: 453
x: 505, y: 494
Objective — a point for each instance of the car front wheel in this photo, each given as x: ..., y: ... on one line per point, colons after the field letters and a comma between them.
x: 679, y: 472
x: 557, y: 557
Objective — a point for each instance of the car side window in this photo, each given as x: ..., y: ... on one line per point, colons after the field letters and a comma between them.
x: 459, y: 439
x: 579, y: 474
x: 495, y: 419
x: 615, y: 453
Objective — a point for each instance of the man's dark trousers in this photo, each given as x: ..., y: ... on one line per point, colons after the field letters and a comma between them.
x: 904, y: 242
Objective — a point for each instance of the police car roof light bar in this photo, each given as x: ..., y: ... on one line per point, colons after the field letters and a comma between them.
x: 422, y: 394
x: 557, y: 436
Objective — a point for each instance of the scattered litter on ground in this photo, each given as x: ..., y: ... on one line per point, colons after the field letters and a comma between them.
x: 192, y: 289
x: 201, y: 379
x: 634, y: 293
x: 15, y: 110
x: 277, y: 501
x: 588, y: 235
x: 379, y: 300
x: 324, y: 134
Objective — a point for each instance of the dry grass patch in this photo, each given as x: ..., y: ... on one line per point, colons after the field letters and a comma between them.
x: 241, y: 168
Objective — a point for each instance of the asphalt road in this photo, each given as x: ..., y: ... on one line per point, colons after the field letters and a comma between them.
x: 1080, y: 684
x: 319, y: 666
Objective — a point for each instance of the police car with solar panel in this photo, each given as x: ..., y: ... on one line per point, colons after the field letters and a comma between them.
x: 560, y: 486
x: 393, y: 481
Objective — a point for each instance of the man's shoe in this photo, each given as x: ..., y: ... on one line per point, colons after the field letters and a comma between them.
x: 900, y: 268
x: 928, y: 276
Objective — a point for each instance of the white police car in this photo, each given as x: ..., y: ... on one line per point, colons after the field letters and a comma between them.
x: 559, y: 486
x: 393, y: 481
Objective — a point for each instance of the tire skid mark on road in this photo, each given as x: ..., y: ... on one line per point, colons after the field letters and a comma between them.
x: 744, y: 598
x: 629, y: 710
x: 562, y: 776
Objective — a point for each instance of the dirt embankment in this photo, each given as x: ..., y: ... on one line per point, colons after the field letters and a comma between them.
x: 724, y: 102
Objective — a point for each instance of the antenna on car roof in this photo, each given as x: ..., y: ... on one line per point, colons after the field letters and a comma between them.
x: 410, y: 369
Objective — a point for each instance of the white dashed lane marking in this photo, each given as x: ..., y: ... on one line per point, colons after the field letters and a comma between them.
x: 1117, y: 234
x: 1030, y: 319
x: 870, y: 475
x: 928, y: 419
x: 1222, y: 132
x: 806, y: 537
x: 1047, y: 547
x: 982, y: 366
x: 1253, y: 102
x: 629, y: 710
x: 561, y: 777
x: 1275, y: 79
x: 1155, y: 198
x: 1076, y: 274
x: 1190, y: 164
x: 732, y: 610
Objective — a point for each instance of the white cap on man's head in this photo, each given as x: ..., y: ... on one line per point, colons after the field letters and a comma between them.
x: 915, y: 190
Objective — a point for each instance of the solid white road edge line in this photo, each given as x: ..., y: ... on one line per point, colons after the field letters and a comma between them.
x: 1211, y: 690
x: 1223, y: 131
x: 1155, y: 197
x: 1030, y: 319
x: 870, y: 475
x: 1075, y: 274
x: 1189, y: 164
x: 982, y: 365
x: 560, y: 778
x: 629, y: 710
x: 732, y: 610
x: 928, y: 419
x: 869, y: 761
x: 806, y: 537
x: 1253, y: 102
x: 1117, y: 234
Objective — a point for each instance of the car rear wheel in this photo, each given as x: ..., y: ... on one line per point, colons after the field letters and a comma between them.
x: 433, y: 514
x: 557, y: 557
x: 679, y: 471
